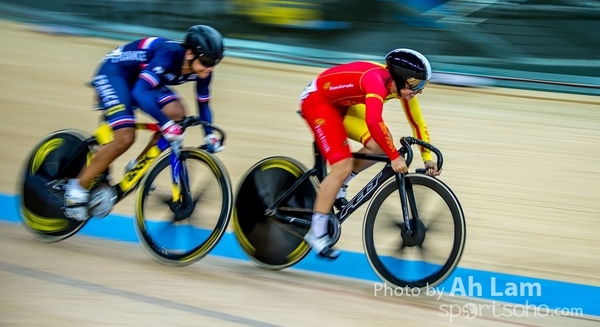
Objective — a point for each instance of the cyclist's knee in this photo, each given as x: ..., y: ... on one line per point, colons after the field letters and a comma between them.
x: 342, y: 168
x: 174, y: 110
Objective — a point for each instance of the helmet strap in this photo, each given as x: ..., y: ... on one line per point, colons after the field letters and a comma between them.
x: 400, y: 83
x: 190, y: 61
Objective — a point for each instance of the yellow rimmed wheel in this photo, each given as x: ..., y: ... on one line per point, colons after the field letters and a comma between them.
x: 59, y: 155
x: 173, y: 228
x: 268, y: 241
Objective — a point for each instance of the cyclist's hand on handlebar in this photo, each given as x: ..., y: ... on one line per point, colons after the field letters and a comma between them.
x: 172, y: 131
x: 213, y: 143
x: 399, y: 165
x: 431, y: 168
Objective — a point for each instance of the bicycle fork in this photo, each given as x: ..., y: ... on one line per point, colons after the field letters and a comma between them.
x: 412, y: 229
x: 182, y: 203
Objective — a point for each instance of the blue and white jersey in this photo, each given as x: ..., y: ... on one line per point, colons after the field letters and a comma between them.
x: 155, y: 59
x: 142, y: 69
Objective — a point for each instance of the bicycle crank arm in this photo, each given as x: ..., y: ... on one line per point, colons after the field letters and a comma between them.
x: 293, y: 220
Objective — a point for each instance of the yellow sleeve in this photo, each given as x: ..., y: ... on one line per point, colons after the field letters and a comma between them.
x: 412, y: 110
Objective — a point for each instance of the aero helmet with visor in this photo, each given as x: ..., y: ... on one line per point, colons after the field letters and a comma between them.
x: 206, y: 43
x: 408, y: 68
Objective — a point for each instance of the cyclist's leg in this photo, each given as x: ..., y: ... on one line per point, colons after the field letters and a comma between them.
x: 124, y: 137
x: 356, y: 127
x: 326, y: 123
x: 171, y: 106
x: 118, y: 113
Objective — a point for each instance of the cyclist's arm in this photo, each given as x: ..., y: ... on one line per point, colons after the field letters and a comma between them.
x: 412, y: 110
x: 146, y: 82
x: 377, y: 128
x: 149, y: 79
x: 203, y: 98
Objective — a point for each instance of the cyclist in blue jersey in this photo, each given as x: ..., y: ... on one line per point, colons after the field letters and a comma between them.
x: 137, y: 74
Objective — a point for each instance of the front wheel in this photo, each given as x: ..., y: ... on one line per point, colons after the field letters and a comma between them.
x: 179, y: 232
x: 426, y: 257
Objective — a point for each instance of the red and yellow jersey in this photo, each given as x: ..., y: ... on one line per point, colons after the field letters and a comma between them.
x: 360, y: 89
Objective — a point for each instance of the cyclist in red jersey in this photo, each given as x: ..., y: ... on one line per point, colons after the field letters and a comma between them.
x: 346, y: 101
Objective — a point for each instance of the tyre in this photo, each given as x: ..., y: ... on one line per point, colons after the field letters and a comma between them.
x: 269, y: 242
x: 426, y: 258
x: 179, y: 233
x: 57, y: 156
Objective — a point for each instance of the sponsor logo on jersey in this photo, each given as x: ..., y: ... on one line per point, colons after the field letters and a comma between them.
x: 115, y: 109
x: 320, y: 135
x: 169, y: 76
x: 118, y: 55
x: 339, y: 87
x: 386, y: 133
x: 133, y: 56
x: 327, y: 86
x: 106, y: 92
x: 158, y: 70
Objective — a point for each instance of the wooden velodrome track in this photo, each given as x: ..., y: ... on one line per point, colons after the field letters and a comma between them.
x: 523, y: 164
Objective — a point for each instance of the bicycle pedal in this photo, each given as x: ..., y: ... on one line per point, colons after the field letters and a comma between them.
x: 58, y: 184
x: 340, y: 203
x: 329, y: 254
x: 57, y: 187
x: 77, y: 205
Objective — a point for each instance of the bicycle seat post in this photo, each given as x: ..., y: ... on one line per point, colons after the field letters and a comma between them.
x: 320, y: 164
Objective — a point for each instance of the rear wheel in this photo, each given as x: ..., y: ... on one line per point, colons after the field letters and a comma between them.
x: 269, y: 242
x: 427, y: 257
x: 59, y: 155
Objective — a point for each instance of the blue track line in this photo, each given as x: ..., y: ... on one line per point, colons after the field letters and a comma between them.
x: 488, y: 285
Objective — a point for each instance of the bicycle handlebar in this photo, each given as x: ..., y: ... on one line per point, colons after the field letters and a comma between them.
x: 190, y: 121
x: 408, y: 141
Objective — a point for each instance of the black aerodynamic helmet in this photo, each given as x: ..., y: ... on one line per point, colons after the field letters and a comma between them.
x: 408, y: 68
x: 206, y: 43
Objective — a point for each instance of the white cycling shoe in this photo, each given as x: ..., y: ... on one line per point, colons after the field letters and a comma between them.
x: 322, y: 245
x: 76, y: 201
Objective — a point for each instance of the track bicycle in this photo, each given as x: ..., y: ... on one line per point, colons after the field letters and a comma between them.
x: 183, y: 198
x: 413, y: 229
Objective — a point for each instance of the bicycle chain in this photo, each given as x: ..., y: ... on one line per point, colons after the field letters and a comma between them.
x: 287, y: 229
x: 295, y: 209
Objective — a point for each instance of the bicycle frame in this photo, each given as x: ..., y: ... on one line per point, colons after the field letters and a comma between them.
x: 364, y: 195
x: 129, y: 182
